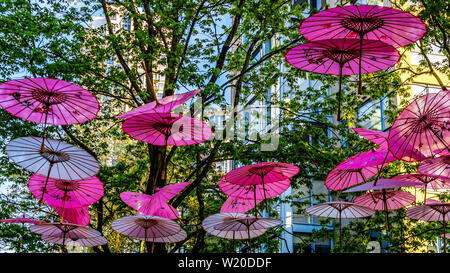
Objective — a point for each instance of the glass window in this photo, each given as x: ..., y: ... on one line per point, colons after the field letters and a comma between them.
x: 126, y: 23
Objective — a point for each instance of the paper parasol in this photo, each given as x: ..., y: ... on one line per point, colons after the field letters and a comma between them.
x: 48, y: 101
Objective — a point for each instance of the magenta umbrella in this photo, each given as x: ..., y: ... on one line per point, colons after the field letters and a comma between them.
x: 434, y: 211
x: 376, y: 137
x: 166, y: 129
x: 48, y: 101
x: 262, y: 173
x: 149, y: 205
x: 339, y: 179
x: 422, y: 126
x: 367, y: 159
x: 385, y: 200
x: 155, y: 204
x: 392, y: 26
x: 256, y: 191
x: 238, y: 226
x: 66, y: 193
x: 437, y: 167
x: 238, y: 205
x: 384, y: 183
x: 380, y: 138
x: 425, y: 181
x: 165, y: 105
x: 78, y: 216
x: 340, y: 209
x: 342, y: 57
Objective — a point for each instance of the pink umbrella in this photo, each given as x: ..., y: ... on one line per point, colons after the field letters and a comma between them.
x: 385, y: 200
x: 392, y: 26
x: 66, y: 193
x: 377, y: 137
x: 166, y: 129
x: 339, y: 179
x: 262, y: 173
x: 437, y: 167
x: 256, y: 191
x: 67, y: 241
x: 380, y: 138
x: 433, y: 211
x: 149, y: 205
x: 149, y: 228
x: 77, y: 216
x: 238, y: 205
x: 422, y: 126
x: 165, y: 105
x: 238, y: 226
x: 155, y: 204
x: 425, y: 181
x: 340, y: 209
x: 48, y: 101
x: 342, y: 57
x: 384, y: 183
x: 58, y: 160
x: 367, y: 159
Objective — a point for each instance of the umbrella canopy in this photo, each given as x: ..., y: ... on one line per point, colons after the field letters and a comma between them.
x: 238, y: 205
x: 58, y: 160
x: 251, y: 191
x: 77, y: 216
x: 261, y: 173
x: 367, y: 159
x: 67, y: 193
x: 339, y: 179
x: 155, y: 204
x: 48, y: 101
x: 380, y: 138
x: 385, y: 200
x: 384, y: 183
x: 376, y: 137
x: 21, y: 220
x: 149, y: 205
x: 431, y: 212
x: 237, y: 226
x: 67, y: 241
x: 425, y: 181
x: 166, y: 129
x: 437, y: 167
x: 421, y: 125
x: 165, y: 105
x: 342, y: 56
x: 395, y: 27
x: 65, y: 230
x: 340, y: 209
x: 149, y: 228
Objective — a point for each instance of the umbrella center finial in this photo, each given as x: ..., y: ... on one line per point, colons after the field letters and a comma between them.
x: 146, y: 223
x: 48, y: 97
x: 67, y: 185
x: 446, y: 159
x: 340, y: 55
x: 362, y: 25
x: 55, y: 156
